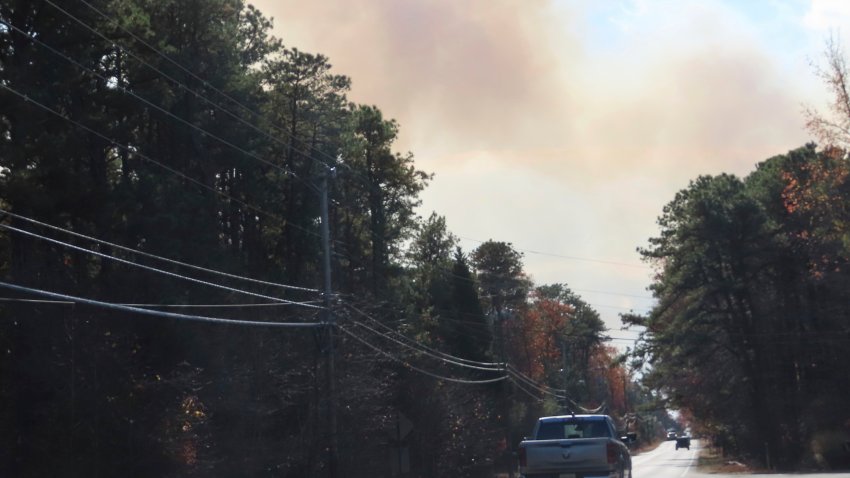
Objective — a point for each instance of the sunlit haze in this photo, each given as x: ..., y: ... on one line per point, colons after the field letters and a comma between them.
x: 564, y: 127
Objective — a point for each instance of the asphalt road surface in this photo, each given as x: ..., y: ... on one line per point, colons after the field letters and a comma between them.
x: 667, y: 462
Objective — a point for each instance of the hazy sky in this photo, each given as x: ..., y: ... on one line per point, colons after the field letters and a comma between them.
x: 563, y: 126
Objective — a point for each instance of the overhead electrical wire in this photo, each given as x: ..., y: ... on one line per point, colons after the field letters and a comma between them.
x: 36, y: 301
x: 154, y: 269
x: 524, y: 390
x: 188, y: 123
x: 151, y: 160
x: 575, y: 258
x: 419, y: 351
x: 134, y: 152
x: 445, y: 270
x: 278, y: 129
x: 332, y: 160
x: 156, y: 313
x: 415, y: 368
x: 513, y: 372
x: 95, y: 31
x: 419, y: 344
x: 532, y: 383
x: 181, y: 84
x: 206, y: 133
x: 482, y: 334
x: 161, y: 306
x: 543, y: 388
x: 153, y: 256
x: 148, y: 158
x: 498, y: 365
x: 615, y: 293
x: 217, y: 306
x: 469, y: 323
x: 256, y: 114
x: 572, y: 403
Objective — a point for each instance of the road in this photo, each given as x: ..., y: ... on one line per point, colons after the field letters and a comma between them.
x: 667, y: 462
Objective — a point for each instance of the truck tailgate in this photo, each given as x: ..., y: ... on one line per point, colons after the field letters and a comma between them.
x: 575, y: 454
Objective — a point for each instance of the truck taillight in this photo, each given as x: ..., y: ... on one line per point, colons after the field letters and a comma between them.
x: 522, y: 457
x: 612, y: 453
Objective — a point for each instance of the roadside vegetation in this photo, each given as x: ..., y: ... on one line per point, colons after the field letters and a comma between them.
x: 137, y: 130
x: 749, y: 335
x: 133, y: 131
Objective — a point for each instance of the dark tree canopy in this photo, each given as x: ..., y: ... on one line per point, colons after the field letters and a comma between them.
x: 751, y: 318
x: 182, y: 136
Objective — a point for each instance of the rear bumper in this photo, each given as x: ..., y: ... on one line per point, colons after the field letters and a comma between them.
x: 578, y: 474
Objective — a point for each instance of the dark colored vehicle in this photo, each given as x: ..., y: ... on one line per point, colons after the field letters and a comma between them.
x: 683, y: 442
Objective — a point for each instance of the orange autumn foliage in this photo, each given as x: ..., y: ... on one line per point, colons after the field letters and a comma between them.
x: 533, y: 338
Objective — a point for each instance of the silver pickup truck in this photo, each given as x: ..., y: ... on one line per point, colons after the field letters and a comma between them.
x: 574, y: 446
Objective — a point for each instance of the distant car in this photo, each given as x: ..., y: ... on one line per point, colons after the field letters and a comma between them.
x: 683, y: 442
x: 671, y: 435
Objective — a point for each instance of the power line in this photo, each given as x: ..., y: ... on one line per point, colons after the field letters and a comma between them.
x: 575, y: 258
x: 543, y: 388
x: 417, y: 369
x: 498, y: 365
x: 482, y: 336
x: 480, y: 329
x: 153, y: 269
x: 419, y: 351
x: 333, y: 160
x: 512, y: 371
x: 166, y: 112
x: 216, y: 306
x: 469, y: 323
x: 188, y: 123
x: 36, y: 301
x: 524, y: 390
x: 206, y: 132
x: 161, y: 306
x: 182, y: 85
x: 444, y: 269
x: 153, y: 256
x: 419, y: 344
x: 133, y: 151
x: 615, y: 293
x: 156, y: 313
x: 147, y: 158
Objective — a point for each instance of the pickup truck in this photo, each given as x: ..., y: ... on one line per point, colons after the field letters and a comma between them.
x: 574, y: 446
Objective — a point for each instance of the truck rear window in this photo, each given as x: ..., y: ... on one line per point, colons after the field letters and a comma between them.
x: 565, y: 429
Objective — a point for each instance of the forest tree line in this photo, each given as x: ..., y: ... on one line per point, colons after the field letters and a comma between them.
x: 135, y: 130
x: 750, y: 334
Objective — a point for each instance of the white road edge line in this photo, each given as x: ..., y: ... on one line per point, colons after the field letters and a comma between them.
x: 689, y: 464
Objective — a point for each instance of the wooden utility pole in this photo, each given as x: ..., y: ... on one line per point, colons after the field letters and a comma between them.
x: 328, y: 319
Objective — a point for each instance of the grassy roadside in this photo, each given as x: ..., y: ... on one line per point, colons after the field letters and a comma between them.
x: 710, y: 461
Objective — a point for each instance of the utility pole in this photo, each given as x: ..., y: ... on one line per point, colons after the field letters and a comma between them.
x: 566, y: 375
x: 328, y: 319
x: 625, y: 393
